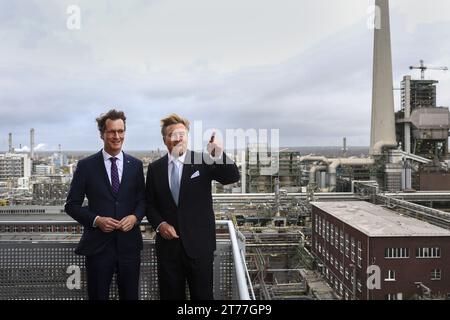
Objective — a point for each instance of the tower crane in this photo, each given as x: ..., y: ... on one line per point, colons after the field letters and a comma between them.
x: 422, y: 68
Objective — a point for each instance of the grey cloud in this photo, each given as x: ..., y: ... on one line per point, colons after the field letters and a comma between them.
x: 314, y: 98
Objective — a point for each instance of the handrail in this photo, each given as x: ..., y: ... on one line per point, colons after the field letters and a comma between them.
x: 238, y: 262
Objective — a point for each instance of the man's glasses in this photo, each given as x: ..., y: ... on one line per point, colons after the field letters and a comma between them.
x: 114, y: 132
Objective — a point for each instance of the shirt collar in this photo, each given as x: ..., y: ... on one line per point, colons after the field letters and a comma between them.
x: 180, y: 158
x: 106, y: 155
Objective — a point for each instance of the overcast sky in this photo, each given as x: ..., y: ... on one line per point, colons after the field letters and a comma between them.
x: 301, y: 66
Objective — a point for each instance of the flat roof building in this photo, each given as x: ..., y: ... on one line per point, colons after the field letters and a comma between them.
x: 403, y: 258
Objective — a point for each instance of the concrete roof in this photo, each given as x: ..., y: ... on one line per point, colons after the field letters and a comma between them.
x: 377, y: 221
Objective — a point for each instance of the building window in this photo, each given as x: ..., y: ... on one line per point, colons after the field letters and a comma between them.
x: 394, y: 296
x: 327, y: 232
x: 336, y: 264
x: 341, y: 269
x: 347, y: 245
x: 353, y: 250
x: 332, y: 260
x: 320, y: 248
x: 436, y: 274
x: 323, y: 228
x: 342, y: 241
x: 336, y: 238
x: 434, y: 252
x: 396, y: 253
x: 317, y: 223
x: 320, y: 226
x: 332, y: 235
x: 359, y: 286
x: 347, y: 274
x: 359, y: 254
x: 328, y: 256
x: 390, y: 275
x: 391, y: 296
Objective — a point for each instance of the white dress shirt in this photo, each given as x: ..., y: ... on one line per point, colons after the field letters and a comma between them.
x: 108, y: 164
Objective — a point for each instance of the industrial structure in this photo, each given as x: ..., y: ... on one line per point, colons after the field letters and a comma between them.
x: 422, y: 129
x: 14, y: 166
x: 263, y: 170
x: 408, y: 149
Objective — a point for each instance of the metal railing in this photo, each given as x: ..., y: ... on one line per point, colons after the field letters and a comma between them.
x: 46, y: 267
x: 433, y: 216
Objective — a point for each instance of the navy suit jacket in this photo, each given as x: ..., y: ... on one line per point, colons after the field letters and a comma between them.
x: 91, y: 180
x: 193, y: 218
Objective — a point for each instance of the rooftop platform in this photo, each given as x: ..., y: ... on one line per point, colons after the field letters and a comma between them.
x: 45, y: 267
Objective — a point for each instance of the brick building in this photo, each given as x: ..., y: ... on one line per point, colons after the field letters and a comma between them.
x: 352, y: 239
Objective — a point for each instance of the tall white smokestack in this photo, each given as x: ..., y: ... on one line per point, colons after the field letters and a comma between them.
x: 32, y: 144
x: 382, y: 133
x: 10, y: 146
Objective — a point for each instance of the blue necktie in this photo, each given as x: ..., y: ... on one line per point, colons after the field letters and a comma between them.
x: 115, y: 182
x: 175, y: 182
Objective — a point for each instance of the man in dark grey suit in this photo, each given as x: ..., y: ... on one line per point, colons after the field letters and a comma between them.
x: 180, y: 208
x: 113, y: 183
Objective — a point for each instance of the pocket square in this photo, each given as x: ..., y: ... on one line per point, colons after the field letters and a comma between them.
x: 195, y: 174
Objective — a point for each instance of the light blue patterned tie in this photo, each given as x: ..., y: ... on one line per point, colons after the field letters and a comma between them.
x: 175, y: 182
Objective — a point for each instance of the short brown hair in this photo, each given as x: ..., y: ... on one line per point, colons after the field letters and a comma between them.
x: 112, y: 114
x: 173, y: 119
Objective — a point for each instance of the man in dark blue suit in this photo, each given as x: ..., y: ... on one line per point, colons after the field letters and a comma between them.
x: 180, y: 209
x: 113, y: 183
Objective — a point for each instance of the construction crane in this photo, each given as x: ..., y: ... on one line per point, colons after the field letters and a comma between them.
x: 422, y: 68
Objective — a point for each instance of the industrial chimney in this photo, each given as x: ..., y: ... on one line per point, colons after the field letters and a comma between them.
x: 10, y: 149
x: 382, y: 134
x: 32, y: 143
